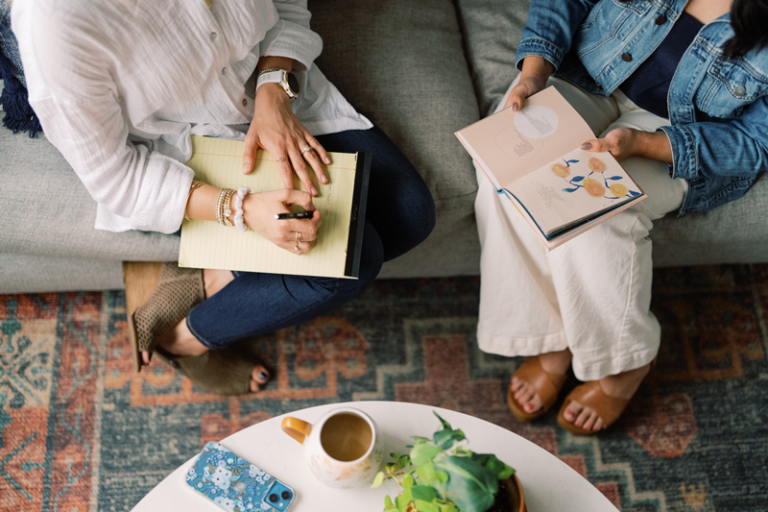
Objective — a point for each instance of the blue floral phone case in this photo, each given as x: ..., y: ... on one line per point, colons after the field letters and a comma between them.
x: 235, y: 484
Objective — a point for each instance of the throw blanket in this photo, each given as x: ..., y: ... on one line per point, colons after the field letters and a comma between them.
x: 19, y: 116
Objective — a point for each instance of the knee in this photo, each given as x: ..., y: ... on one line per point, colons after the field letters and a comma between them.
x: 422, y: 216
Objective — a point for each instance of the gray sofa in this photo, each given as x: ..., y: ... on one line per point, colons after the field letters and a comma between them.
x: 419, y: 69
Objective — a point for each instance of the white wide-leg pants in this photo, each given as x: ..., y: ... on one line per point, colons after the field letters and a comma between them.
x: 591, y: 294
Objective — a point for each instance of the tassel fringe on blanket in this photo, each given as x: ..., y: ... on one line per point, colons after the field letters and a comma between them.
x: 19, y: 116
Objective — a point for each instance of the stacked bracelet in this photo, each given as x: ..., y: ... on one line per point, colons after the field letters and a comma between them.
x: 222, y: 207
x: 195, y: 184
x: 239, y: 222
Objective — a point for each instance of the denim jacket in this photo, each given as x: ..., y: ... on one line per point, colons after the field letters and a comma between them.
x: 718, y: 109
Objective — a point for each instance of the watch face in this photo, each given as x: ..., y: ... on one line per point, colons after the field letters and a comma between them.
x: 293, y: 83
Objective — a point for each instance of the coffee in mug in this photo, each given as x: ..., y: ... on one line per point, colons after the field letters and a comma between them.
x: 342, y: 449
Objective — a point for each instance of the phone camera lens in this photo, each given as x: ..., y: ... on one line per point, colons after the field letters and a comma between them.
x: 273, y: 498
x: 286, y: 495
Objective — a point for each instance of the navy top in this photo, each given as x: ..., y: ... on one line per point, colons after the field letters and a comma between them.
x: 648, y: 86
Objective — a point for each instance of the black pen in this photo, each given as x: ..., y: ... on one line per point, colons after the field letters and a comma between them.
x: 299, y: 215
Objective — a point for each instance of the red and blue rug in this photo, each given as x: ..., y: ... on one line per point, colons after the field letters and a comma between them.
x: 80, y: 432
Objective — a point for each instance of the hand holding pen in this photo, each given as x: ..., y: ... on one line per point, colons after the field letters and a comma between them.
x: 296, y: 235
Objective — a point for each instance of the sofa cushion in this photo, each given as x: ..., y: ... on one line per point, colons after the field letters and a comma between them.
x: 733, y: 233
x: 46, y: 211
x: 401, y: 63
x: 492, y: 31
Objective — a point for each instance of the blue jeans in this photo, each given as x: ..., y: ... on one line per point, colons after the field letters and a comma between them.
x: 400, y: 215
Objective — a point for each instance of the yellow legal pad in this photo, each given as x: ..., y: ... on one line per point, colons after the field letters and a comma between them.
x: 206, y: 244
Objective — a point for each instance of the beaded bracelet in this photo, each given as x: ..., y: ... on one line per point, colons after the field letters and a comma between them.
x: 222, y: 207
x: 239, y: 221
x: 195, y: 184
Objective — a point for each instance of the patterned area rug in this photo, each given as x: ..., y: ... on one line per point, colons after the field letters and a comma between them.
x: 80, y: 432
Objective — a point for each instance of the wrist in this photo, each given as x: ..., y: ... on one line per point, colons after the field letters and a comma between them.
x: 536, y: 68
x: 273, y: 93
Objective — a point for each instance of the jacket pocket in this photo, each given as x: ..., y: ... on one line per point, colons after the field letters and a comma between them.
x: 734, y: 85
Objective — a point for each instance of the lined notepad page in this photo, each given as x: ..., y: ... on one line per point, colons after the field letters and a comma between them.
x: 206, y: 244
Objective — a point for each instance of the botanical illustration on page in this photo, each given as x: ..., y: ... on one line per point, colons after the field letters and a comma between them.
x: 571, y: 188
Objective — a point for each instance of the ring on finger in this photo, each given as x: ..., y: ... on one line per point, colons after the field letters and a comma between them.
x: 299, y: 237
x: 306, y: 148
x: 296, y: 248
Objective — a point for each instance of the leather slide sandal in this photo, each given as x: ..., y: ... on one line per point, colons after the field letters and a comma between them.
x: 608, y: 408
x: 590, y: 394
x: 547, y: 386
x: 158, y: 296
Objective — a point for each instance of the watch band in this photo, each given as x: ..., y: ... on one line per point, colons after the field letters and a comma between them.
x: 280, y: 76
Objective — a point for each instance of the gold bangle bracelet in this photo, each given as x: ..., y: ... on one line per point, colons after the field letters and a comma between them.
x: 195, y: 184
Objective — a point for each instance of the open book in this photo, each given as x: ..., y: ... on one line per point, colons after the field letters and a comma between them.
x: 532, y: 157
x: 342, y: 202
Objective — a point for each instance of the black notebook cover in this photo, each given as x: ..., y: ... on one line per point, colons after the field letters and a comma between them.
x: 357, y: 219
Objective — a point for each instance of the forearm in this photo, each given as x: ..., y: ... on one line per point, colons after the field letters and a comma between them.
x: 202, y: 203
x: 653, y: 145
x: 267, y: 62
x: 536, y: 68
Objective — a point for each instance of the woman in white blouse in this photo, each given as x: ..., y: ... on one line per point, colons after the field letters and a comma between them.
x: 119, y: 87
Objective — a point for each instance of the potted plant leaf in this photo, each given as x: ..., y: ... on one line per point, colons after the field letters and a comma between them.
x: 443, y: 475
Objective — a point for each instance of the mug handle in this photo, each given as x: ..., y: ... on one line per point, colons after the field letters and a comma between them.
x: 297, y: 429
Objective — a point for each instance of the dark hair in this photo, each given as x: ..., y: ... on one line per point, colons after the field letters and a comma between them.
x: 749, y: 19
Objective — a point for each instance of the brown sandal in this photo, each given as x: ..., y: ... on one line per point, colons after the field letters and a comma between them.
x: 158, y: 297
x: 547, y: 386
x: 590, y: 394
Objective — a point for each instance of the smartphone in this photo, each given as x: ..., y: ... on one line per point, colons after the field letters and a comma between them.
x: 235, y: 484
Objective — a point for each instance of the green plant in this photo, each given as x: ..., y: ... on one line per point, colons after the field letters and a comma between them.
x: 443, y: 475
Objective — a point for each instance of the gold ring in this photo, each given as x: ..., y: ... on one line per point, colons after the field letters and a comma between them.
x: 297, y: 245
x: 299, y: 238
x: 306, y: 148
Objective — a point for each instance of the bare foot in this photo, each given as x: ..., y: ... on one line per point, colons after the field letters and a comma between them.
x: 552, y: 362
x: 182, y: 342
x: 623, y: 385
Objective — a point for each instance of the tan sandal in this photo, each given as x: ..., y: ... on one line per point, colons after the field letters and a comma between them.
x: 590, y: 394
x: 158, y: 297
x: 547, y: 386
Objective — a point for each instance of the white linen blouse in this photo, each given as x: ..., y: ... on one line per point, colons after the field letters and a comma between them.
x: 120, y: 85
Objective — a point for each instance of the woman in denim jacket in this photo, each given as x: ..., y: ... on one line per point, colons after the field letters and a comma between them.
x: 678, y: 91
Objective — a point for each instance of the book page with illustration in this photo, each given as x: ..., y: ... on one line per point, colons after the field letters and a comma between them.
x: 572, y: 188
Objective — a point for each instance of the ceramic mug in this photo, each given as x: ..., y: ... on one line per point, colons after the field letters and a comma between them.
x: 343, y: 448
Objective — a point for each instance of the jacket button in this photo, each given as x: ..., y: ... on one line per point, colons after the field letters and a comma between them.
x: 740, y: 90
x: 626, y: 57
x: 660, y: 20
x: 245, y: 102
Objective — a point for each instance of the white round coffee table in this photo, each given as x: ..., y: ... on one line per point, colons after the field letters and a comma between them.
x: 548, y: 483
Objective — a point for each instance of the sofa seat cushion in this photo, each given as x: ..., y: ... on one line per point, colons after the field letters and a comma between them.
x: 46, y: 211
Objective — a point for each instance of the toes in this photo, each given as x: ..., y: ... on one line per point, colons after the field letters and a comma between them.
x: 598, y: 424
x: 590, y: 421
x: 260, y: 374
x: 516, y: 383
x: 582, y: 417
x: 572, y: 411
x: 254, y: 386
